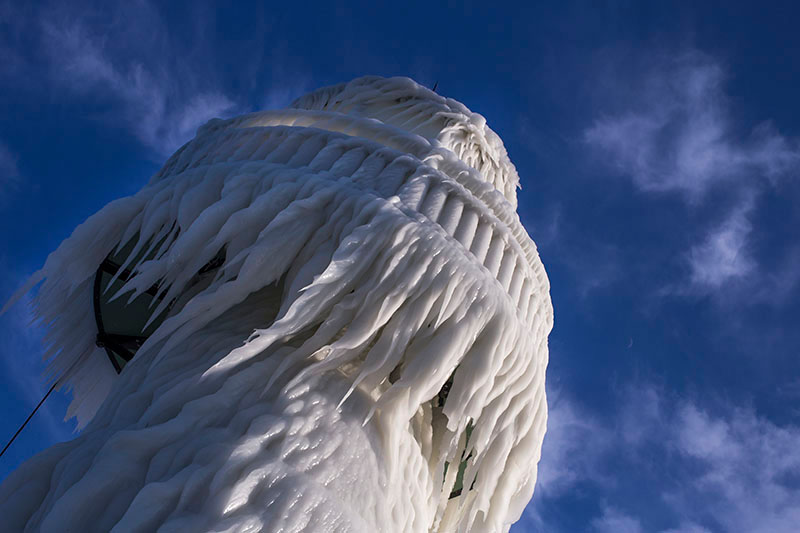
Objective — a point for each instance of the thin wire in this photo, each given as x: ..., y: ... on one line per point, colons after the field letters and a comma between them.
x: 29, y: 418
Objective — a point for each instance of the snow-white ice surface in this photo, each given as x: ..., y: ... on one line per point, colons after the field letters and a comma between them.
x: 372, y: 251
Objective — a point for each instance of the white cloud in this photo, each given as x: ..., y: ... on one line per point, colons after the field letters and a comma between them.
x: 729, y: 470
x: 724, y: 255
x: 688, y: 528
x: 702, y: 436
x: 160, y: 97
x: 572, y: 445
x: 571, y: 455
x: 751, y: 468
x: 613, y: 521
x: 678, y: 133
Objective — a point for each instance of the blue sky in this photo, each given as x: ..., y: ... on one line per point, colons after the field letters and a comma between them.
x: 659, y: 151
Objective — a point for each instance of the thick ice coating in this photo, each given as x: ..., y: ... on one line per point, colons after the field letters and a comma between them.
x: 376, y: 313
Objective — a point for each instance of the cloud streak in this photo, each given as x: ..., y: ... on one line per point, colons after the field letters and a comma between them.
x: 724, y: 469
x: 565, y: 460
x: 151, y: 92
x: 613, y: 521
x: 724, y: 255
x: 679, y: 134
x: 750, y: 469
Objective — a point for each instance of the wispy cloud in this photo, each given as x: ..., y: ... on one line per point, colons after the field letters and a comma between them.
x: 724, y: 255
x: 566, y: 458
x: 129, y: 61
x: 694, y: 469
x: 750, y: 469
x: 688, y: 528
x: 614, y: 521
x: 679, y: 134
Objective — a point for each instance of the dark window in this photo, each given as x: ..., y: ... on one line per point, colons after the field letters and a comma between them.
x: 438, y: 404
x: 121, y: 323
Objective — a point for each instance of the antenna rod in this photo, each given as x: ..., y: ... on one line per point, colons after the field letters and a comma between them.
x: 29, y: 418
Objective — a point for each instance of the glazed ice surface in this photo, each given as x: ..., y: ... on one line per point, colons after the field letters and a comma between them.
x: 372, y: 259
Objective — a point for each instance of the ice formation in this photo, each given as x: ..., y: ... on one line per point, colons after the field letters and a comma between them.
x: 377, y: 312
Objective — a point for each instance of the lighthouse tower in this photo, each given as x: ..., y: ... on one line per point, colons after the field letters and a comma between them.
x: 326, y: 318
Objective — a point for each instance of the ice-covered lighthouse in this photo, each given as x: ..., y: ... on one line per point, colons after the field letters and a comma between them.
x: 323, y: 318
